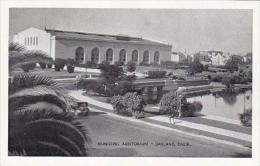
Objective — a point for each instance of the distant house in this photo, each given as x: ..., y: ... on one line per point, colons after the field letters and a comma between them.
x: 218, y: 58
x: 237, y: 58
x: 248, y: 58
x: 203, y: 57
x: 178, y: 57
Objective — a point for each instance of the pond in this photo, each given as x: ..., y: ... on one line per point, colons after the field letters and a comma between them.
x: 228, y: 106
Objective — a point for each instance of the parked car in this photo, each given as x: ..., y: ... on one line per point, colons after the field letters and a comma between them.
x: 80, y: 108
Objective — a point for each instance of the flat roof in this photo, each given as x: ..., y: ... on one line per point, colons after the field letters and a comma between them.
x: 102, y: 37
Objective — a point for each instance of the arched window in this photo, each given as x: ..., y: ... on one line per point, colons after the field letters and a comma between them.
x: 156, y: 58
x: 95, y: 55
x: 135, y: 56
x: 79, y: 55
x: 122, y: 56
x: 146, y: 57
x: 25, y: 39
x: 109, y: 55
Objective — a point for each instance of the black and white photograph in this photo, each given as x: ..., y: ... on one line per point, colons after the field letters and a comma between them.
x: 130, y: 82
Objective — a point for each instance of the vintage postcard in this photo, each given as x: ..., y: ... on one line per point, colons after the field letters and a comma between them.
x: 146, y: 81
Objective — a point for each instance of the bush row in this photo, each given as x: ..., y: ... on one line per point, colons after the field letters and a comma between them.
x: 99, y: 87
x: 156, y: 74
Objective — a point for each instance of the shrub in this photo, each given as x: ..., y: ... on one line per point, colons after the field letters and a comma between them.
x: 170, y: 102
x: 59, y: 64
x: 117, y: 103
x: 156, y: 74
x: 119, y: 63
x: 170, y: 74
x: 90, y: 85
x: 196, y: 67
x: 70, y: 62
x: 131, y: 103
x: 70, y: 65
x: 131, y: 66
x: 28, y: 66
x: 70, y: 69
x: 246, y: 117
x: 189, y: 109
x: 123, y: 87
x: 43, y: 65
x: 49, y: 66
x: 168, y: 64
x: 217, y: 78
x: 144, y: 64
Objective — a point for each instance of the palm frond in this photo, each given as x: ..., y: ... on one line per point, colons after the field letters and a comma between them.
x: 29, y: 80
x: 61, y: 129
x: 36, y: 94
x: 16, y: 47
x: 39, y: 106
x: 19, y: 58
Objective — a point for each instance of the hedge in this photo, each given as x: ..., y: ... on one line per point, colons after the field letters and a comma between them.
x: 156, y: 74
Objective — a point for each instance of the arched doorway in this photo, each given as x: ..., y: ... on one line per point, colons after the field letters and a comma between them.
x: 79, y: 55
x: 146, y: 57
x: 135, y: 56
x: 109, y: 55
x: 122, y: 56
x: 95, y: 55
x: 156, y: 57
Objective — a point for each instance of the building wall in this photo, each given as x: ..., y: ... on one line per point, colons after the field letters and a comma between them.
x: 66, y: 48
x: 219, y: 59
x: 34, y: 39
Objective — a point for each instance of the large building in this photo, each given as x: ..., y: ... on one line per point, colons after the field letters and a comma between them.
x: 96, y: 48
x: 178, y: 57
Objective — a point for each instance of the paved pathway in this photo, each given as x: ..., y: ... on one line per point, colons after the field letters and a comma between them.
x: 207, y: 128
x: 219, y: 129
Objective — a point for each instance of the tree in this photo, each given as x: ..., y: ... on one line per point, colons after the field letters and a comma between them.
x: 111, y: 73
x: 131, y: 67
x: 170, y: 102
x: 232, y: 65
x: 40, y: 120
x: 196, y: 67
x: 130, y: 103
x: 134, y: 103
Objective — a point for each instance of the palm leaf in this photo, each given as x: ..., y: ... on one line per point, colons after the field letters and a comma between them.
x: 16, y: 47
x: 45, y: 125
x: 39, y: 106
x: 36, y: 94
x: 17, y: 59
x: 53, y: 130
x: 19, y: 56
x: 28, y: 80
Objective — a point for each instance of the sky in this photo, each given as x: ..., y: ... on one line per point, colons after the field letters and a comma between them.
x: 190, y: 30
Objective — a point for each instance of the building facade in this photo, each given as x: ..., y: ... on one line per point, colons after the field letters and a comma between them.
x: 178, y: 57
x: 96, y: 48
x: 218, y: 58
